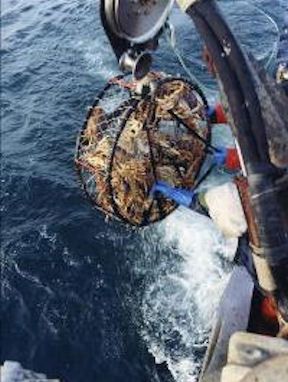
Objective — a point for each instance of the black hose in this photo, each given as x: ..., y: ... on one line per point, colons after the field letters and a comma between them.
x: 238, y: 84
x: 238, y: 63
x: 231, y: 88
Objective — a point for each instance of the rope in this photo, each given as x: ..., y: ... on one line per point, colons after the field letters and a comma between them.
x: 205, y: 141
x: 204, y: 176
x: 275, y: 47
x: 171, y: 40
x: 208, y: 145
x: 133, y: 103
x: 158, y: 200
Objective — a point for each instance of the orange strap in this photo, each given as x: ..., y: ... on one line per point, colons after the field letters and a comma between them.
x: 232, y: 160
x: 268, y: 310
x: 220, y: 116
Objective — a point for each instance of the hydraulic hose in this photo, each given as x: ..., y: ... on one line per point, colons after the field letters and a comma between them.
x: 237, y: 79
x: 231, y: 89
x: 238, y: 63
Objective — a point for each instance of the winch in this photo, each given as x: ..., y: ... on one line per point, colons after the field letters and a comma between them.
x: 132, y: 42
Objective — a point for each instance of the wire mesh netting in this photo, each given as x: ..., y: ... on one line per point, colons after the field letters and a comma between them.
x: 129, y: 141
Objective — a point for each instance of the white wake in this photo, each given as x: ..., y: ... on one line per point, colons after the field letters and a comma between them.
x: 178, y: 305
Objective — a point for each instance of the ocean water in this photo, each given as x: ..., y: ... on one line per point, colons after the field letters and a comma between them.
x: 84, y: 299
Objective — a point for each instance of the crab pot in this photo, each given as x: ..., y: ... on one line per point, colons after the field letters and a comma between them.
x: 129, y: 142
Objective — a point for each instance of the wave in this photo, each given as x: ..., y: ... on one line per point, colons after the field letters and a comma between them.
x: 179, y: 302
x: 13, y: 372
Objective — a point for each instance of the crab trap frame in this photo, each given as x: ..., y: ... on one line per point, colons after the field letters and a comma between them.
x: 129, y: 141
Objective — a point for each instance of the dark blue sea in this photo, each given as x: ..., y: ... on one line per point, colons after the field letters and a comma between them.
x: 85, y: 300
